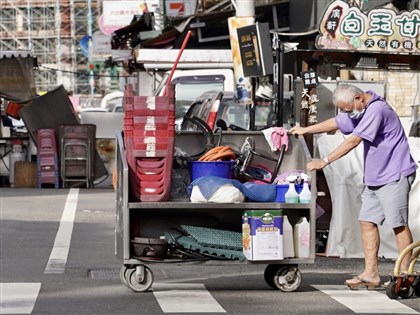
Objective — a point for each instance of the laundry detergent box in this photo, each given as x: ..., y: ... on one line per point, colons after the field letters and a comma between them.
x: 262, y: 234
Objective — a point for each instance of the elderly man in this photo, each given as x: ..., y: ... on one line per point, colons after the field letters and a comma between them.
x: 389, y: 170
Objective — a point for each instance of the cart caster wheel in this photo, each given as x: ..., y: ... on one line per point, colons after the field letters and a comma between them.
x: 123, y: 272
x: 284, y: 278
x: 136, y: 284
x: 269, y: 274
x: 391, y: 290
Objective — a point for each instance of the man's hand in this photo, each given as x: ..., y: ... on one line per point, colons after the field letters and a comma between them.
x: 316, y: 165
x: 297, y: 130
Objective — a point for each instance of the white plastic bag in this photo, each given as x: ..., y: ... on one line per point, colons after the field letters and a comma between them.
x: 225, y: 194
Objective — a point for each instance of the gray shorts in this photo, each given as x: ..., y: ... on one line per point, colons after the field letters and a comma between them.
x: 388, y: 202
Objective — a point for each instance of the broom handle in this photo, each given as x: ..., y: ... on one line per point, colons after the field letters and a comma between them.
x: 184, y: 43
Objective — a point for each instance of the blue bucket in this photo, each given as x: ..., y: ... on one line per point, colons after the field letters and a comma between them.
x: 222, y: 169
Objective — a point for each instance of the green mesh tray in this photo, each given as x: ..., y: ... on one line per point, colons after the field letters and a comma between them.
x: 189, y: 242
x: 214, y: 237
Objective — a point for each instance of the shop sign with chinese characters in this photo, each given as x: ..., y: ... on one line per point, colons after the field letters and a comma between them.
x: 309, y: 79
x: 379, y: 30
x: 309, y: 100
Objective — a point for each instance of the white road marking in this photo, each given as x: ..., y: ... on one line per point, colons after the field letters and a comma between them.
x: 365, y: 301
x: 60, y: 251
x: 185, y: 298
x: 18, y: 298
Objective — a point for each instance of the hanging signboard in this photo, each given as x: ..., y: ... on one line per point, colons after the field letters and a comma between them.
x: 101, y: 46
x: 345, y: 27
x: 310, y: 80
x: 255, y: 48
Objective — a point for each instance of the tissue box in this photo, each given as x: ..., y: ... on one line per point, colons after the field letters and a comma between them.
x: 262, y: 234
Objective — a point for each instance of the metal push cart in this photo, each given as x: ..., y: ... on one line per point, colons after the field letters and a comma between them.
x: 152, y: 219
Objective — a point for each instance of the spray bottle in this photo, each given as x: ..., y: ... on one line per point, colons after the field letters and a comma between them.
x: 305, y: 195
x: 291, y: 195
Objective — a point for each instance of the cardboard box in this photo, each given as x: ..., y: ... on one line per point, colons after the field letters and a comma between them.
x: 262, y: 234
x: 25, y: 174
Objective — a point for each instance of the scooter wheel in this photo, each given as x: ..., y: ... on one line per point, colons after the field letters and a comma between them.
x: 416, y: 286
x: 406, y: 292
x: 391, y: 290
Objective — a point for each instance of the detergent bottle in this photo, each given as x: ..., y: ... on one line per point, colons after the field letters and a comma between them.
x: 305, y: 196
x: 291, y: 195
x: 288, y: 246
x: 302, y: 237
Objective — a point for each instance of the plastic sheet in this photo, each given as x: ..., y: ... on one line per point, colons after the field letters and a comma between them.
x: 345, y: 181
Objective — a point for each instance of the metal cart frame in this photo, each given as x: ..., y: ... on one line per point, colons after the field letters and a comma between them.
x: 146, y: 217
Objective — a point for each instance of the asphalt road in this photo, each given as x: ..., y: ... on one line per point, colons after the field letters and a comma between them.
x: 31, y: 281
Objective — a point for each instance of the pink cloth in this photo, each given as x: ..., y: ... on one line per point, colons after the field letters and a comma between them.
x: 276, y: 136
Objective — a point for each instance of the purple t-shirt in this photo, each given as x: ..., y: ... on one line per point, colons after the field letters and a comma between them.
x: 386, y: 152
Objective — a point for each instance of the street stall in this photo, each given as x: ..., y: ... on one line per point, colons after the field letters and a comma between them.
x: 17, y: 87
x: 31, y: 115
x: 211, y: 193
x: 149, y: 221
x: 346, y: 42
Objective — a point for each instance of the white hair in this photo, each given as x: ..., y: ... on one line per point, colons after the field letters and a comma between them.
x: 345, y: 93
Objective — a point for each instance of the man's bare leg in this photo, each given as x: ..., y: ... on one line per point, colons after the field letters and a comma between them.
x: 370, y: 241
x: 404, y: 238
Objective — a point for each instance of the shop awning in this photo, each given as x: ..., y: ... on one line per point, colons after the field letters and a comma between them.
x: 17, y: 80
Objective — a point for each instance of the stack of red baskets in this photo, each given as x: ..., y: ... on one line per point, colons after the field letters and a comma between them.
x: 47, y: 160
x: 149, y: 139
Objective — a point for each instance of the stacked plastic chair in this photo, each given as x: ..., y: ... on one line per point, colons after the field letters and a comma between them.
x: 47, y: 160
x: 77, y: 152
x: 149, y: 139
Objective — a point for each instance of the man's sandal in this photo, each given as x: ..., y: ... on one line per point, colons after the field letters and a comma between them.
x: 357, y: 282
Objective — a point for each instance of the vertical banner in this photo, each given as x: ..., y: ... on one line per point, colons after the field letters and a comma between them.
x: 243, y: 84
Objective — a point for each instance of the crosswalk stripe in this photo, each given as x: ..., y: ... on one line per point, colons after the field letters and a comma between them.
x: 365, y: 301
x: 58, y: 257
x: 18, y: 298
x: 185, y: 298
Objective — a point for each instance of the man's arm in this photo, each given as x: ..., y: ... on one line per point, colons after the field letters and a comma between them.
x: 345, y: 147
x: 325, y: 126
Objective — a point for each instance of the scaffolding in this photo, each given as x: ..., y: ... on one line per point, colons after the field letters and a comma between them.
x: 52, y: 30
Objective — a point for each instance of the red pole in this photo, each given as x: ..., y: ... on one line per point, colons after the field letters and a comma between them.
x: 187, y: 37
